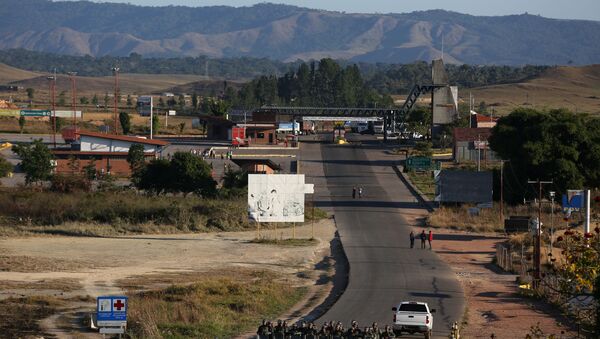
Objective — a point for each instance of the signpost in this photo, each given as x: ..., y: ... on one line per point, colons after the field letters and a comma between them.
x: 35, y: 112
x: 112, y: 314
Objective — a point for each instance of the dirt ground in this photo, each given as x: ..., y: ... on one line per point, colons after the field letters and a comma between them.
x: 77, y: 268
x: 493, y: 304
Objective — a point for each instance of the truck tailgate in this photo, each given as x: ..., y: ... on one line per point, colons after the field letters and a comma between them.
x: 411, y: 319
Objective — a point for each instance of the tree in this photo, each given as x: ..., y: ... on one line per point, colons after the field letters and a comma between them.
x: 135, y: 157
x: 5, y: 167
x: 181, y: 127
x: 30, y: 93
x: 181, y: 102
x: 219, y: 107
x: 95, y: 100
x: 85, y: 101
x: 155, y: 177
x: 191, y: 174
x: 21, y: 123
x: 155, y: 124
x: 194, y: 101
x: 106, y: 101
x: 125, y: 121
x: 89, y: 170
x: 555, y: 145
x: 423, y: 149
x: 161, y: 102
x: 36, y: 161
x: 61, y: 99
x: 60, y: 122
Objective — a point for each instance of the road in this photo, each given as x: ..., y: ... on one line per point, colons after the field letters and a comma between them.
x: 374, y: 234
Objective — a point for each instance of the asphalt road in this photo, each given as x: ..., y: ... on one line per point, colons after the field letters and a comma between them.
x: 374, y: 234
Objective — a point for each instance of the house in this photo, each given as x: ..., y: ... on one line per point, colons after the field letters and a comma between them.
x: 483, y: 121
x: 217, y: 128
x: 471, y: 143
x: 257, y: 166
x: 108, y: 153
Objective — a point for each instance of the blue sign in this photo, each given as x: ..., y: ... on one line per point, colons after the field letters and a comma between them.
x: 111, y: 310
x: 576, y: 201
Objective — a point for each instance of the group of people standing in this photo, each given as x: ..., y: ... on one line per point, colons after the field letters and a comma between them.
x: 423, y: 236
x: 329, y: 330
x: 356, y: 190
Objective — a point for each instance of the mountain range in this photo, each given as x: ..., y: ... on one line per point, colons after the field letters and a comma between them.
x: 288, y: 33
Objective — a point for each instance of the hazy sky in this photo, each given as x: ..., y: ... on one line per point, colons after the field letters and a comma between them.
x: 564, y: 9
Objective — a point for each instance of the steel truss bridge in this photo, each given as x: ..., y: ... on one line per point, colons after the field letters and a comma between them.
x: 389, y: 116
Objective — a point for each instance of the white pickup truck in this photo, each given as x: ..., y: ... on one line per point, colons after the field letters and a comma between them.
x: 413, y: 317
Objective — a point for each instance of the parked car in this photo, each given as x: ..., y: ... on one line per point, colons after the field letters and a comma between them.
x: 413, y: 317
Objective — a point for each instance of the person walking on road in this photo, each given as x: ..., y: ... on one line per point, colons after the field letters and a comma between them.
x: 423, y: 238
x: 430, y: 238
x: 360, y: 192
x: 412, y: 239
x: 354, y: 192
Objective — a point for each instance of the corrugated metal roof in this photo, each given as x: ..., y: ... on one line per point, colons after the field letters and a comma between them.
x: 472, y: 134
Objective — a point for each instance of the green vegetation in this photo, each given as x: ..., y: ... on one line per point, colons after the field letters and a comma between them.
x: 381, y: 77
x: 35, y: 161
x: 5, y: 167
x: 424, y: 182
x: 555, y: 145
x: 184, y: 173
x: 125, y: 121
x: 216, y: 306
x: 125, y: 211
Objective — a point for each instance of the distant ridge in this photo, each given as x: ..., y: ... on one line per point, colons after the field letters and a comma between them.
x: 289, y: 33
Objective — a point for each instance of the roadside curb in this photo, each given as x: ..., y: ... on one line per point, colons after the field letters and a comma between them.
x: 422, y: 198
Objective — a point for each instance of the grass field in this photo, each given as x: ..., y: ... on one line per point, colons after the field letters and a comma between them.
x: 216, y: 305
x: 573, y: 88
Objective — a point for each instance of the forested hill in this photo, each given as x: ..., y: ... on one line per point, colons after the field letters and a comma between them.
x: 289, y: 33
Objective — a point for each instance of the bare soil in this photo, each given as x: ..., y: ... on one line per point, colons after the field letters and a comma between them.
x: 78, y: 269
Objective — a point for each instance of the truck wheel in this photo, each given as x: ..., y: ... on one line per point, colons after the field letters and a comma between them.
x: 428, y: 335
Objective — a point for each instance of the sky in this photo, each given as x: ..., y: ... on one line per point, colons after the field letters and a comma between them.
x: 561, y: 9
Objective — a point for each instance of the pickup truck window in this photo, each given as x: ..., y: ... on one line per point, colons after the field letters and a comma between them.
x: 413, y: 308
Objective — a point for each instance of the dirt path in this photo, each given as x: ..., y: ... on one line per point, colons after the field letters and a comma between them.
x: 97, y: 264
x: 493, y: 304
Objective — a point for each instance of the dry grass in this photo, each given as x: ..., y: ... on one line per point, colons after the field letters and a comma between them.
x: 20, y: 316
x: 63, y: 285
x: 424, y: 182
x: 488, y: 220
x: 286, y: 242
x: 217, y: 305
x: 574, y: 88
x: 38, y: 264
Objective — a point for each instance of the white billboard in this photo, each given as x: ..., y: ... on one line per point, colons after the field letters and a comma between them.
x: 277, y: 197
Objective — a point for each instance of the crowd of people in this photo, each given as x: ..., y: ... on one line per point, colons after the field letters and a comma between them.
x: 329, y: 330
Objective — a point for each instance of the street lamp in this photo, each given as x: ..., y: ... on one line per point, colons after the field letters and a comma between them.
x: 52, y: 92
x: 73, y: 98
x: 116, y: 73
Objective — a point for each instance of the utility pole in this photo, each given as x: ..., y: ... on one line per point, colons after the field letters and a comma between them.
x: 73, y: 98
x: 52, y: 83
x: 478, y: 152
x: 116, y: 72
x: 552, y: 195
x: 502, y: 191
x: 538, y: 235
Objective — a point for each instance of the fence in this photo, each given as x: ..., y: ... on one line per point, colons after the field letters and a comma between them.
x: 514, y: 261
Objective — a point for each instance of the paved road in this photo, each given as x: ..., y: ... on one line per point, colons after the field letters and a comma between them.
x: 374, y: 234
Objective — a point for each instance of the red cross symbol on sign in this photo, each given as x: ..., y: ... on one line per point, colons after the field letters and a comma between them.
x: 118, y: 305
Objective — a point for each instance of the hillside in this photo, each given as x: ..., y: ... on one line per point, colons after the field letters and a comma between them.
x: 574, y: 88
x: 10, y: 74
x: 289, y: 33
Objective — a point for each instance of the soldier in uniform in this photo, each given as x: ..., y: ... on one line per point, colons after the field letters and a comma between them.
x: 263, y: 330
